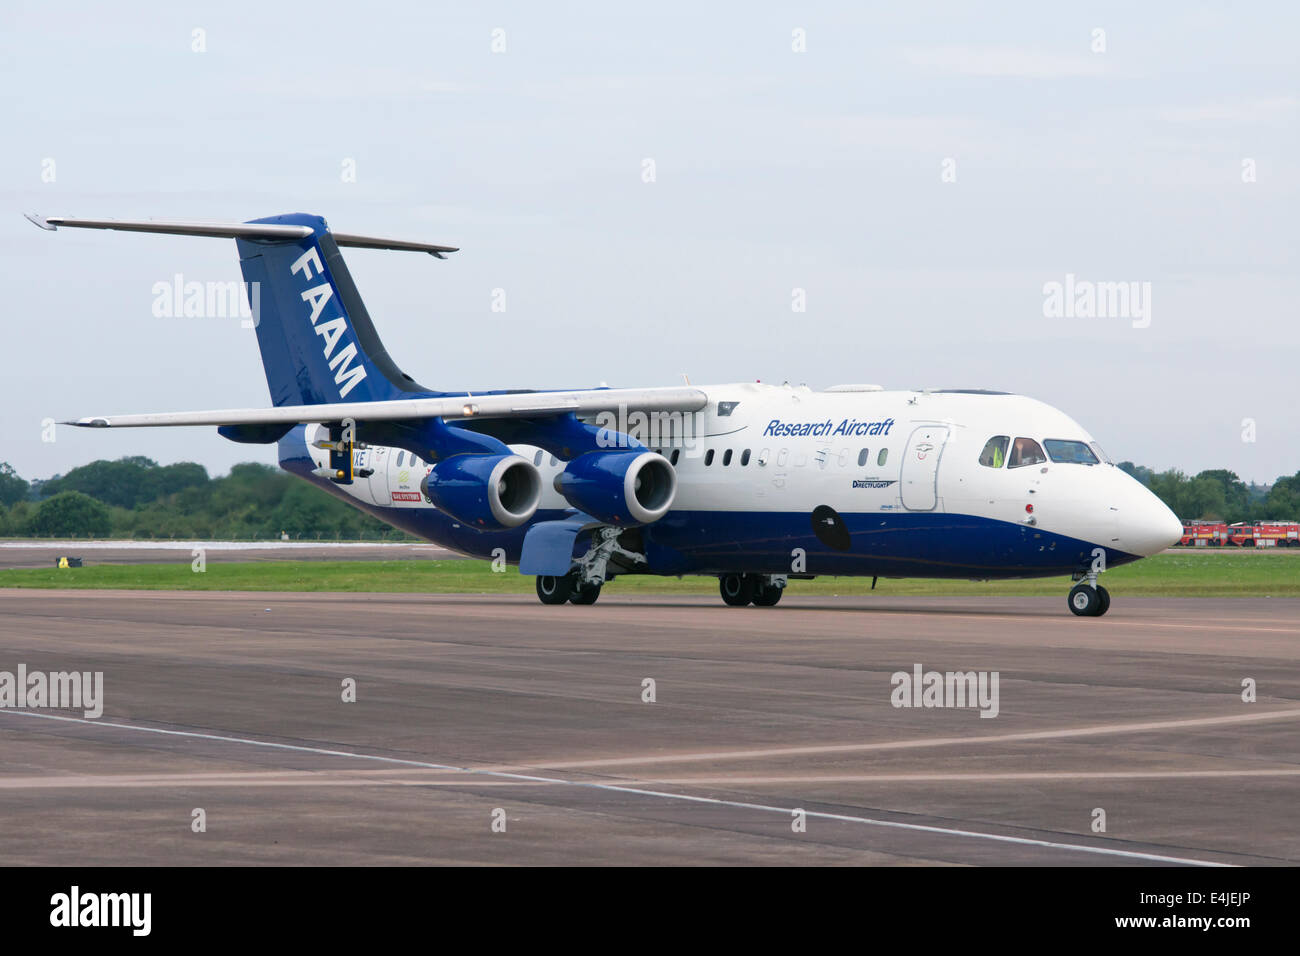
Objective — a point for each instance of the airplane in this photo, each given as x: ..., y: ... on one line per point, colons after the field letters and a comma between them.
x: 755, y: 484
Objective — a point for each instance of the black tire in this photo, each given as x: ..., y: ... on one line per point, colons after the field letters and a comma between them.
x: 554, y: 589
x: 767, y: 595
x: 1105, y: 600
x: 737, y: 590
x: 585, y: 594
x: 1084, y: 600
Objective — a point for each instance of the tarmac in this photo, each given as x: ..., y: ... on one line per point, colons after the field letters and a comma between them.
x: 493, y: 730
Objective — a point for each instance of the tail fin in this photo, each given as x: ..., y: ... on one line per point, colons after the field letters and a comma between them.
x: 317, y: 341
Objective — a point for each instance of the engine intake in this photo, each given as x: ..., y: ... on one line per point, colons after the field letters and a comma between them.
x: 619, y: 487
x: 488, y: 492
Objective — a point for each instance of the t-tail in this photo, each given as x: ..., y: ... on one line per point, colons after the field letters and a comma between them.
x: 317, y: 341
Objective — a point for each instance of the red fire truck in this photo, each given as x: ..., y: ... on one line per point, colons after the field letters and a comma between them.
x: 1277, y: 534
x: 1264, y: 534
x: 1259, y: 534
x: 1202, y: 534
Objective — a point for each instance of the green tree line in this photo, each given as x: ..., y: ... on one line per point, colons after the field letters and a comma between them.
x: 138, y: 498
x: 1219, y: 495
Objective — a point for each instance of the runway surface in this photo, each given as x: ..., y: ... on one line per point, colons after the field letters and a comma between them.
x: 470, y: 709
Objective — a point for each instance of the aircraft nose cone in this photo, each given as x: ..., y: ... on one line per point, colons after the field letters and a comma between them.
x: 1149, y: 528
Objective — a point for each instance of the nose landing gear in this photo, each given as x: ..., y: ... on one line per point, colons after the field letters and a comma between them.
x: 1088, y: 598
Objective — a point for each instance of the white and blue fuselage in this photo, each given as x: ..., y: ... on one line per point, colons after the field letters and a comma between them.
x: 858, y: 481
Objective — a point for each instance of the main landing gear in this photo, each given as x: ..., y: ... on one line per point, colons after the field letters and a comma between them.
x: 1088, y: 598
x: 583, y: 582
x: 760, y: 590
x: 568, y: 588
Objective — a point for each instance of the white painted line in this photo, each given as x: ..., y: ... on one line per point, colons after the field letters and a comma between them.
x: 813, y: 749
x: 787, y: 812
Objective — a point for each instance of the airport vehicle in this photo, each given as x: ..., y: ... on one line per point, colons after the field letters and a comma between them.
x: 1263, y: 534
x: 1243, y: 534
x: 1277, y: 534
x: 1202, y: 534
x: 755, y: 484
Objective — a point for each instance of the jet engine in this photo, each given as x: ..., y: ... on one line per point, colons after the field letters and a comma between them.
x: 487, y: 492
x: 619, y: 487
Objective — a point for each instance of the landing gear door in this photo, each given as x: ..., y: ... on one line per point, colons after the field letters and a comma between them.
x: 919, y: 481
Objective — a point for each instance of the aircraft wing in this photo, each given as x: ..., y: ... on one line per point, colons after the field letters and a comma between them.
x: 514, y: 405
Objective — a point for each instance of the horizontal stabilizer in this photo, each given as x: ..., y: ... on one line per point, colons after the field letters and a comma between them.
x: 234, y: 230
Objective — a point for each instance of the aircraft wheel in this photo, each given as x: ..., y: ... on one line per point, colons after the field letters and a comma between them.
x: 1084, y: 600
x: 585, y: 594
x: 737, y: 589
x: 553, y: 589
x: 767, y: 595
x: 1105, y: 600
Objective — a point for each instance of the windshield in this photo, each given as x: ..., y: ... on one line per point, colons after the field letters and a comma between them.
x: 1070, y: 452
x: 995, y: 451
x: 1025, y: 451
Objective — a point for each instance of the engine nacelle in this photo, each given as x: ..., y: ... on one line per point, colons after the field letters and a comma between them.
x: 619, y: 487
x: 487, y: 492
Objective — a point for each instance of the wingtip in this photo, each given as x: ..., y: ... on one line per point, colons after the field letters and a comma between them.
x: 40, y: 222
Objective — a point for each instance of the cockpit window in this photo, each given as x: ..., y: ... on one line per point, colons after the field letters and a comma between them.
x: 1025, y: 451
x: 995, y: 451
x: 1070, y: 452
x: 1100, y: 454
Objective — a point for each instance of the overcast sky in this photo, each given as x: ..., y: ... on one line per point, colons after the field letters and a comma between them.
x: 828, y: 170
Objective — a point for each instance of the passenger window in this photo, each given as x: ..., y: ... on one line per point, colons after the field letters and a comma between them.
x: 537, y: 459
x: 708, y: 457
x: 554, y: 461
x: 673, y: 457
x: 744, y: 458
x: 995, y: 451
x: 882, y: 457
x: 782, y: 457
x: 1025, y: 451
x: 726, y: 457
x: 863, y: 457
x: 400, y: 456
